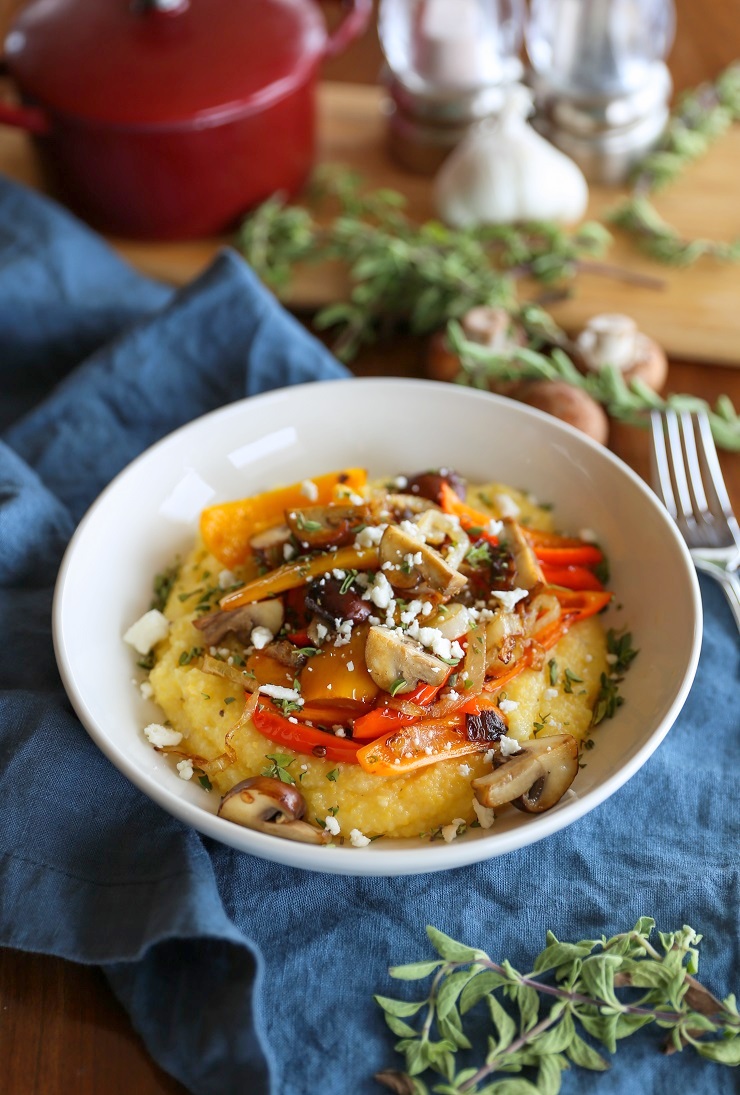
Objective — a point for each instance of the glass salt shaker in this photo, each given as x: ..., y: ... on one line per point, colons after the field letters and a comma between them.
x: 448, y: 63
x: 601, y: 85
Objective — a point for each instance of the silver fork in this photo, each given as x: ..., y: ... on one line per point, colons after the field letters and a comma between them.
x: 687, y: 477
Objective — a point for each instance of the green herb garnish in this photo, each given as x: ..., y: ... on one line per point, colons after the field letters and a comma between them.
x: 278, y: 769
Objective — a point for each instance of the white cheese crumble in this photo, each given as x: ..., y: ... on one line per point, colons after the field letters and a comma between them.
x: 508, y: 746
x: 226, y: 579
x: 465, y: 769
x: 508, y: 705
x: 260, y: 637
x: 288, y: 552
x: 278, y: 692
x: 550, y: 693
x: 506, y: 506
x: 339, y: 574
x: 159, y: 736
x: 146, y: 690
x: 331, y: 825
x: 350, y: 667
x: 509, y: 597
x: 358, y: 839
x: 401, y: 482
x: 310, y: 490
x: 449, y: 832
x: 485, y: 814
x: 321, y: 631
x: 370, y: 536
x: 185, y: 769
x: 588, y: 535
x: 495, y: 528
x: 380, y: 592
x: 148, y: 630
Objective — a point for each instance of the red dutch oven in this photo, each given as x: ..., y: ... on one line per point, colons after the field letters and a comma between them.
x: 168, y: 119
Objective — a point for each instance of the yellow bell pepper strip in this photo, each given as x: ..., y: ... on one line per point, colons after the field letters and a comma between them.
x: 299, y: 573
x: 301, y: 738
x: 227, y: 528
x: 404, y: 748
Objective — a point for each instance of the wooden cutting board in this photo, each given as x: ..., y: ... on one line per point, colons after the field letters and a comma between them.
x: 695, y: 315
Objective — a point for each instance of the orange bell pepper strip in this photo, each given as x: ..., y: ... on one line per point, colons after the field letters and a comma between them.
x: 582, y: 603
x: 299, y: 573
x: 301, y: 738
x: 228, y: 527
x: 404, y: 749
x: 571, y: 577
x: 585, y: 555
x: 469, y: 518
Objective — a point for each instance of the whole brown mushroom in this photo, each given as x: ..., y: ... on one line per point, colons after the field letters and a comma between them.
x: 269, y: 806
x: 571, y: 405
x: 613, y: 339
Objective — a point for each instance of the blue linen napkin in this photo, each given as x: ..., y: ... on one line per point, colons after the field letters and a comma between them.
x: 240, y: 975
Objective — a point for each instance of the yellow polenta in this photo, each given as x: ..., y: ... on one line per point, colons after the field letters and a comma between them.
x: 203, y: 708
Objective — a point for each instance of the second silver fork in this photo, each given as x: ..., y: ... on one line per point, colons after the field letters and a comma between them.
x: 687, y: 477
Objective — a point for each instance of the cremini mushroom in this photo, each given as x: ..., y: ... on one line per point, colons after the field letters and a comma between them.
x: 566, y: 402
x: 533, y: 779
x: 269, y: 806
x: 613, y: 339
x: 397, y: 664
x: 410, y: 564
x: 241, y: 621
x: 326, y: 526
x: 487, y: 326
x: 527, y: 570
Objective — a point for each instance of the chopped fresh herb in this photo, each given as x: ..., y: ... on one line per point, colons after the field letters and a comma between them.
x: 307, y: 651
x: 278, y: 769
x: 552, y: 667
x: 570, y: 680
x: 229, y: 699
x: 334, y: 810
x: 162, y: 585
x: 307, y: 525
x: 398, y: 685
x: 348, y: 580
x: 287, y: 706
x: 205, y: 782
x: 205, y: 696
x: 486, y: 500
x: 542, y: 723
x: 621, y: 646
x: 186, y: 596
x: 147, y: 662
x: 450, y: 661
x: 607, y: 700
x: 589, y: 743
x: 479, y: 554
x: 332, y: 776
x: 187, y: 656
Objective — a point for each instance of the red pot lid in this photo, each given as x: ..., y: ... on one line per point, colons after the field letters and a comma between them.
x: 163, y: 62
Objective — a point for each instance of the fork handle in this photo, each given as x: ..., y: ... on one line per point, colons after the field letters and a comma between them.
x: 728, y: 580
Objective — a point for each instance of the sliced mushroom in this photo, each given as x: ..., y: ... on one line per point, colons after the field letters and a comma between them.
x: 528, y: 572
x: 269, y: 806
x: 241, y: 621
x: 399, y: 507
x: 326, y: 526
x: 409, y: 564
x: 325, y: 598
x: 270, y: 538
x: 392, y: 659
x: 285, y: 653
x: 533, y: 779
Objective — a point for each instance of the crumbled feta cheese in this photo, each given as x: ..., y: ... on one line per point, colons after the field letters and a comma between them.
x: 465, y: 769
x: 321, y: 631
x: 344, y: 632
x: 339, y: 732
x: 292, y: 718
x: 350, y: 667
x: 506, y: 505
x: 457, y: 650
x: 485, y: 814
x: 288, y: 552
x: 358, y: 839
x: 427, y: 608
x: 331, y: 825
x: 380, y: 592
x: 489, y: 755
x: 449, y: 832
x: 370, y: 536
x: 508, y: 746
x: 260, y: 637
x: 413, y: 531
x: 160, y: 736
x: 509, y: 598
x: 227, y: 579
x: 401, y: 482
x: 507, y: 706
x: 550, y: 693
x: 278, y: 692
x: 495, y: 528
x: 339, y: 574
x: 185, y: 769
x: 146, y: 690
x: 148, y: 630
x: 357, y: 500
x: 588, y: 535
x: 412, y: 610
x: 310, y: 490
x: 452, y: 695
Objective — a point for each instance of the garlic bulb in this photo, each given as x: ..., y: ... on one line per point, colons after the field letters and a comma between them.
x: 504, y: 171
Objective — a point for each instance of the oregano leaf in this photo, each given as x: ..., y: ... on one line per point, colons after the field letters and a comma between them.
x: 414, y: 971
x: 450, y: 949
x: 401, y: 1008
x: 582, y: 1054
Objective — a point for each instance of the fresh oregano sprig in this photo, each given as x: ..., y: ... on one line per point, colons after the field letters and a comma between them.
x: 545, y: 359
x: 543, y: 1022
x: 699, y: 118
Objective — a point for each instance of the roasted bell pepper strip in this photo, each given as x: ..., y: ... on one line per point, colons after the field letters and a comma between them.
x: 582, y: 603
x: 227, y: 528
x: 571, y: 577
x: 299, y: 573
x: 384, y: 717
x: 301, y: 738
x: 539, y: 538
x: 469, y: 518
x: 405, y: 748
x: 586, y: 555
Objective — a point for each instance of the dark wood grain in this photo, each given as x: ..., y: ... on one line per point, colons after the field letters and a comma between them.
x: 61, y: 1030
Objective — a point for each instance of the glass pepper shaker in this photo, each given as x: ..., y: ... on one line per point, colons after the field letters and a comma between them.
x: 448, y: 63
x: 601, y: 85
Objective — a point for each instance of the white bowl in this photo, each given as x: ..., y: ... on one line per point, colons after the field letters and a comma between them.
x: 150, y: 512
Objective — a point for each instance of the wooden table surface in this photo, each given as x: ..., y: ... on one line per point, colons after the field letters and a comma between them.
x: 61, y: 1030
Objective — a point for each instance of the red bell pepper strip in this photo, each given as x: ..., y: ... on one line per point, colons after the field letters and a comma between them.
x: 302, y: 739
x: 383, y: 717
x: 571, y: 577
x: 584, y: 556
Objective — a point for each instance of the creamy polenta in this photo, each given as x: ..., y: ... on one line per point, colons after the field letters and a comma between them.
x: 461, y: 645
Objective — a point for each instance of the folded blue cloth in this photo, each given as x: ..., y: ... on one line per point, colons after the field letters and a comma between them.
x: 243, y: 976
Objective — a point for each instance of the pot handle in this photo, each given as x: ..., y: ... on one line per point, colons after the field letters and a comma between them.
x: 352, y: 26
x: 30, y: 118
